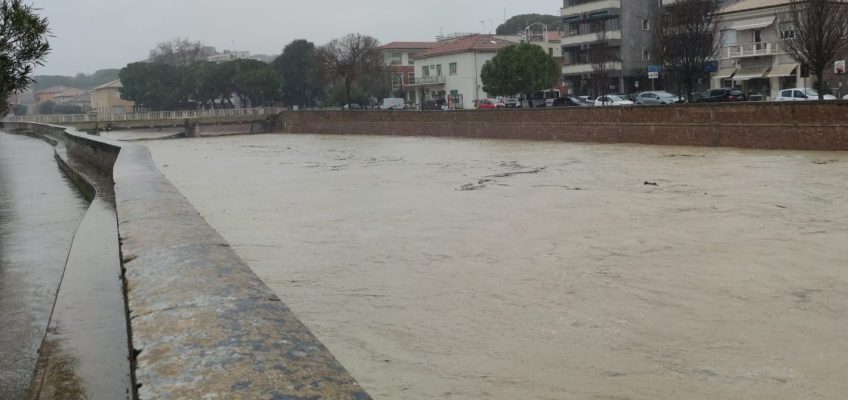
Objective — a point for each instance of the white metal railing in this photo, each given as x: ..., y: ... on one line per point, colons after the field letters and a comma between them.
x: 145, y: 116
x: 752, y: 50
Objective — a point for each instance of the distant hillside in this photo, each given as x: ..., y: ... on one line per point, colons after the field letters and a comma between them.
x: 519, y: 22
x: 81, y: 81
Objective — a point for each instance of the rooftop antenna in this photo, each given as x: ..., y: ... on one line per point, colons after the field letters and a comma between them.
x: 483, y: 22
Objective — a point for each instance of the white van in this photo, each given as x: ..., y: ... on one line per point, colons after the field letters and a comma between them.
x: 392, y: 103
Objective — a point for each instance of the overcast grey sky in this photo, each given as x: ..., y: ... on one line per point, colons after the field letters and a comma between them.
x: 97, y: 34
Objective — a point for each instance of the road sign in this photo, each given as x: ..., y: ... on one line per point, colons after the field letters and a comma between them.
x: 711, y: 67
x: 655, y: 68
x: 653, y: 75
x: 839, y: 67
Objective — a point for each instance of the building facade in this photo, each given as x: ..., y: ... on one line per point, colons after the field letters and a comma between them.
x: 106, y: 99
x: 451, y: 69
x: 607, y: 40
x: 400, y: 57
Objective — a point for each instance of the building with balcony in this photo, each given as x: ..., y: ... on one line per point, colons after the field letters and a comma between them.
x: 451, y: 69
x: 751, y: 56
x: 622, y: 28
x: 400, y: 57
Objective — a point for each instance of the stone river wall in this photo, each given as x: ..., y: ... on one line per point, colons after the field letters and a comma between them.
x: 202, y: 324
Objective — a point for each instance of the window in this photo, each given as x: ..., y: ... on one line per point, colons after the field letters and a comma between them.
x: 439, y: 70
x: 452, y: 67
x: 396, y: 59
x: 646, y: 55
x: 397, y: 79
x: 787, y: 34
x: 728, y: 37
x: 646, y: 24
x: 551, y: 51
x: 426, y: 71
x: 411, y: 78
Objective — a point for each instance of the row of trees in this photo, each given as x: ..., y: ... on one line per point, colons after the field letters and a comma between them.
x: 158, y: 86
x: 687, y: 36
x: 345, y: 70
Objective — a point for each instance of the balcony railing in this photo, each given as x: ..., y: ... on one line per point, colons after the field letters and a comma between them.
x: 575, y: 69
x: 427, y: 80
x: 590, y: 38
x: 588, y: 7
x: 751, y: 50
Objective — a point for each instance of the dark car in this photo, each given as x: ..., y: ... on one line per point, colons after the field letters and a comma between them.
x: 566, y: 102
x: 723, y: 95
x: 433, y: 104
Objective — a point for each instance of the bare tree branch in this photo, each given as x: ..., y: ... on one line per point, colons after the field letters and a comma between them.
x: 815, y: 33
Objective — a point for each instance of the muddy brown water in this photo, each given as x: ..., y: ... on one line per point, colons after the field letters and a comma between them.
x: 39, y: 213
x: 474, y: 269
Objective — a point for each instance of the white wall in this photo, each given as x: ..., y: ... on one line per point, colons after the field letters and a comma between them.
x: 467, y: 79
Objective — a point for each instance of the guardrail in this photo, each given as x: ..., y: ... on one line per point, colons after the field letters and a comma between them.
x: 146, y: 116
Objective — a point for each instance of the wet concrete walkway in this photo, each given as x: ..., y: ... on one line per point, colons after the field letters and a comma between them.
x: 39, y: 213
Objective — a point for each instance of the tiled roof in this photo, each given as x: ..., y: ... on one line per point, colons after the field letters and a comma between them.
x: 485, y: 43
x: 113, y: 84
x: 745, y: 5
x: 409, y: 45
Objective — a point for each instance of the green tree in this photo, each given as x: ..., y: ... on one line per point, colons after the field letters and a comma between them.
x: 294, y: 66
x: 153, y: 86
x: 46, y: 108
x: 518, y: 23
x: 23, y: 45
x: 255, y: 82
x: 520, y: 69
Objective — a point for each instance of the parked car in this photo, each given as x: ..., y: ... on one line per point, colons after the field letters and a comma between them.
x: 801, y: 94
x: 581, y: 102
x: 658, y: 97
x: 512, y: 102
x: 612, y: 100
x: 434, y: 104
x: 721, y: 96
x: 393, y: 103
x: 588, y: 99
x: 351, y: 106
x: 566, y: 102
x: 490, y: 104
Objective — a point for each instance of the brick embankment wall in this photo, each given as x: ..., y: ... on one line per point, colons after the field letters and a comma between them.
x: 795, y: 126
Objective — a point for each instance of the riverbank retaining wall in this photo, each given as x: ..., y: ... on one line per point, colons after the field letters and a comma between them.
x: 202, y: 324
x: 785, y: 126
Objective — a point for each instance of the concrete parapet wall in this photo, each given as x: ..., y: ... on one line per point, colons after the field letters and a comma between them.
x: 793, y: 125
x: 203, y: 324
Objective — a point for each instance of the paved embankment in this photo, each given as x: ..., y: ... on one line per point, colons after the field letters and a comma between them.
x: 39, y: 213
x: 788, y: 126
x: 203, y: 324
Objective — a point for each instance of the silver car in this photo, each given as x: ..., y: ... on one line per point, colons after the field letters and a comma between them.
x: 658, y: 97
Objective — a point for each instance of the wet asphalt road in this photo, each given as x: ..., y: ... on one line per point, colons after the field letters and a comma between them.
x: 39, y: 213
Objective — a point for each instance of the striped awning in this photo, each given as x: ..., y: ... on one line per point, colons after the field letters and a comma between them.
x: 752, y: 23
x: 750, y: 73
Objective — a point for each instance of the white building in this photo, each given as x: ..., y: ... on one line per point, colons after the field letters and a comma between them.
x: 452, y: 68
x: 751, y: 56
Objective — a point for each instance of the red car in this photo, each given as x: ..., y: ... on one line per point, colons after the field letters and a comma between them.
x: 490, y: 104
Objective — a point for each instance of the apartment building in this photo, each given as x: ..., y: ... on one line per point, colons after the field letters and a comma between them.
x: 622, y: 25
x: 106, y: 99
x: 751, y: 55
x: 400, y: 57
x: 452, y: 68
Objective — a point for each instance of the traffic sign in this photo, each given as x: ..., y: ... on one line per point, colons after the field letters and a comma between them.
x: 839, y: 67
x: 653, y: 75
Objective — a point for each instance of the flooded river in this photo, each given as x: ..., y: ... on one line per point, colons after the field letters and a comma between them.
x: 39, y: 213
x: 475, y: 269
